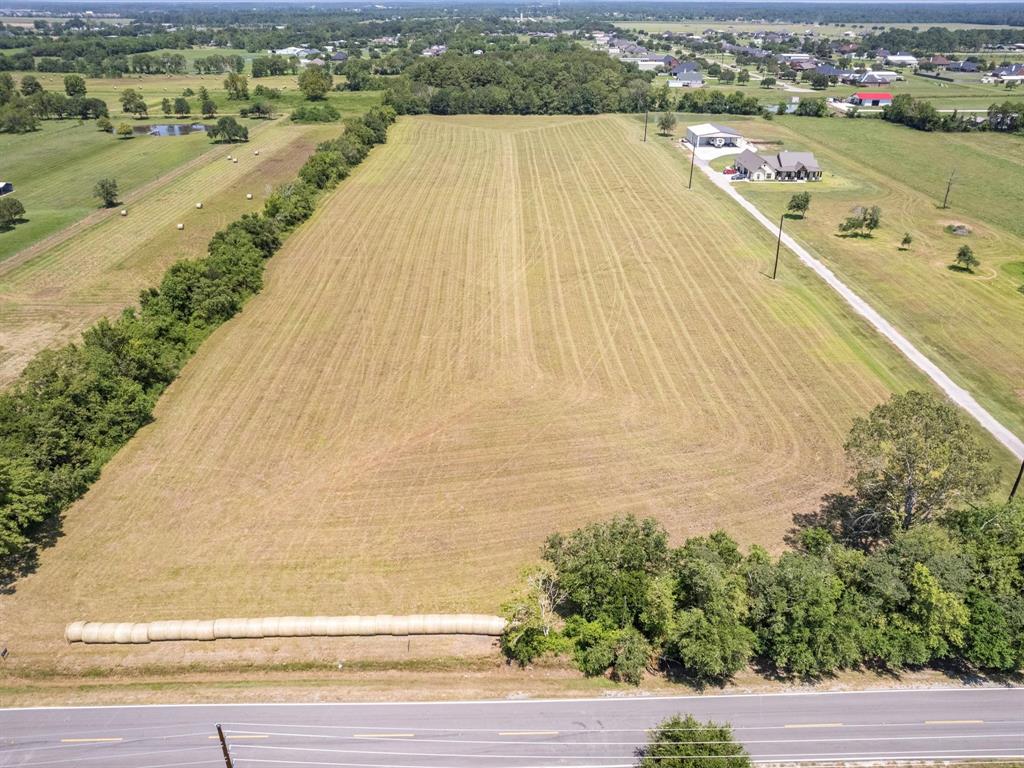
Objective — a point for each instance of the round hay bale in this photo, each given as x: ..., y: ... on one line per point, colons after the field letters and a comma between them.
x: 248, y: 195
x: 140, y: 633
x: 199, y: 205
x: 123, y: 632
x: 73, y: 631
x: 303, y: 626
x: 254, y: 628
x: 270, y: 627
x: 400, y: 625
x: 234, y: 160
x: 414, y: 624
x: 256, y: 152
x: 181, y: 226
x: 91, y: 632
x: 124, y: 211
x: 349, y: 625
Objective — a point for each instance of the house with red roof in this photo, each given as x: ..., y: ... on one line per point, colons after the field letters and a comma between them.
x: 871, y: 99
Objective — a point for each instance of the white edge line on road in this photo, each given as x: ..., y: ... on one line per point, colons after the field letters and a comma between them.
x: 593, y: 700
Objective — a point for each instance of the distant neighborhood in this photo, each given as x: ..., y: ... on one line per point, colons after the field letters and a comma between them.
x: 840, y: 61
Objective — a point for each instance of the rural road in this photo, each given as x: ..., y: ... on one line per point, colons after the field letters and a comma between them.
x: 954, y: 391
x: 587, y: 733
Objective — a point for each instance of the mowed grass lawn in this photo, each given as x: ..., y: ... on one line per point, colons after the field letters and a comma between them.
x: 971, y: 325
x: 52, y: 296
x: 55, y: 169
x: 495, y: 329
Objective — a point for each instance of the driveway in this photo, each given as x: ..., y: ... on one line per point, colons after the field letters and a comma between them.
x: 954, y: 391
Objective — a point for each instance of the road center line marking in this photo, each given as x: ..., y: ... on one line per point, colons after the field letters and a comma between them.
x: 90, y: 741
x: 812, y: 725
x: 383, y: 735
x: 528, y: 733
x: 954, y: 722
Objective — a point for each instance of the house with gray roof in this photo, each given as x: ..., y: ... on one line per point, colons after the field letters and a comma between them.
x: 689, y: 79
x: 784, y: 166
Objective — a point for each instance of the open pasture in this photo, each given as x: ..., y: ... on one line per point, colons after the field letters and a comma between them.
x: 495, y: 329
x: 972, y: 325
x: 48, y: 295
x: 55, y: 168
x: 155, y: 88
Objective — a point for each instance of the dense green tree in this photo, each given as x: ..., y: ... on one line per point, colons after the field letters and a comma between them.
x: 606, y: 568
x: 799, y: 203
x: 237, y: 86
x: 106, y: 191
x: 30, y: 86
x: 685, y: 742
x: 167, y: 106
x: 182, y: 107
x: 11, y: 211
x: 906, y: 241
x: 667, y: 123
x: 208, y: 107
x: 228, y: 129
x: 132, y: 103
x: 125, y: 130
x: 913, y: 458
x: 965, y: 259
x: 795, y: 609
x: 315, y: 82
x: 74, y: 85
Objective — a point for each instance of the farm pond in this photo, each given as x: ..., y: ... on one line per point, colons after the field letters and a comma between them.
x: 170, y: 129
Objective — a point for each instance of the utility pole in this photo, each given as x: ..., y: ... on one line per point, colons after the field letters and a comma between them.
x: 949, y: 185
x: 645, y: 124
x: 224, y: 747
x: 778, y: 246
x: 693, y: 159
x: 1016, y: 483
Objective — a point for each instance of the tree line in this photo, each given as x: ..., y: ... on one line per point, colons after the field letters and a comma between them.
x: 73, y: 407
x: 1007, y: 117
x: 554, y: 76
x: 911, y: 567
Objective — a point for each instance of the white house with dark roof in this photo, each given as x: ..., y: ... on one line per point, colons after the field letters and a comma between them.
x: 688, y: 79
x: 784, y: 166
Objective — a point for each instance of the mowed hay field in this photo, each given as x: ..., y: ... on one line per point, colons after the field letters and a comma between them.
x: 971, y: 325
x: 495, y: 329
x: 48, y: 295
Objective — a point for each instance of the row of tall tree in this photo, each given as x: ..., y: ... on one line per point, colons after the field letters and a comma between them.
x: 73, y: 407
x: 912, y: 566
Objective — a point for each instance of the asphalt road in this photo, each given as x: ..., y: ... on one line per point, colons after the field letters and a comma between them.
x: 944, y: 724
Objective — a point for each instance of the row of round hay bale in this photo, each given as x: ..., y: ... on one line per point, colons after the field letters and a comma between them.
x: 284, y: 626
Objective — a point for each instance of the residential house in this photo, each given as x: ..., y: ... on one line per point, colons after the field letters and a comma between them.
x: 961, y: 66
x: 339, y: 57
x: 295, y: 50
x: 901, y: 60
x: 6, y: 187
x: 938, y: 61
x: 784, y: 166
x: 712, y: 135
x: 685, y: 66
x: 687, y: 80
x: 871, y: 99
x: 880, y: 77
